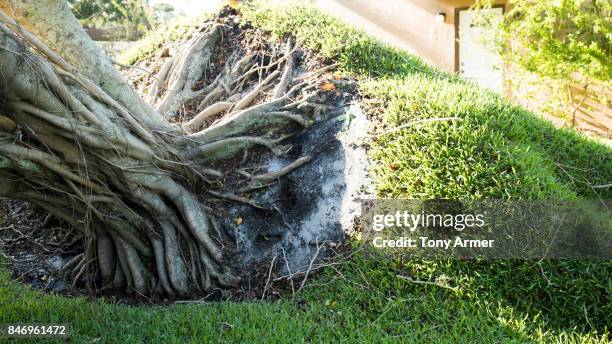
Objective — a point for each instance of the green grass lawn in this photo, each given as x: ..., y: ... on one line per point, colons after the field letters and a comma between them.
x: 496, y: 150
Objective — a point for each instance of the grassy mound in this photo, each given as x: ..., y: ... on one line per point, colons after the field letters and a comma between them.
x: 495, y: 150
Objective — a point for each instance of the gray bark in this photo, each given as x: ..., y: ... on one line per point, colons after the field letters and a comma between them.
x: 79, y: 142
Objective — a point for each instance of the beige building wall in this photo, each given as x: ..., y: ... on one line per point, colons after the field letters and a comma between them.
x: 409, y: 24
x: 412, y: 25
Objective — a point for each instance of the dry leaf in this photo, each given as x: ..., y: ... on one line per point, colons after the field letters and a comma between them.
x: 233, y: 3
x: 239, y: 220
x: 328, y: 86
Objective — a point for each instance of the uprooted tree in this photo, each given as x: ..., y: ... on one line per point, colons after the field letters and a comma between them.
x: 78, y: 141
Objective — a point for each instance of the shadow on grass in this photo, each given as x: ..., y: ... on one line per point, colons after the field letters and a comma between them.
x: 497, y: 150
x: 515, y: 155
x: 484, y: 301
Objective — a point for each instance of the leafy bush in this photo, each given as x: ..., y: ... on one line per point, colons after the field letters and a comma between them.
x: 129, y: 13
x: 566, y: 43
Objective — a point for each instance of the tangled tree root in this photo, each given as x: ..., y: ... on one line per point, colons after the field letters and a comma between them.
x: 131, y: 186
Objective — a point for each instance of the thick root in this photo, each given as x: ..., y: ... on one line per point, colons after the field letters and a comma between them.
x: 188, y: 69
x: 125, y: 177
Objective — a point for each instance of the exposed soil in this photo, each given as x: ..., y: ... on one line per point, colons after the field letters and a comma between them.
x: 36, y: 246
x: 297, y: 223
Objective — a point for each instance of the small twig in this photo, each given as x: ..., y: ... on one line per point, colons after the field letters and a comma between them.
x: 236, y: 198
x: 605, y: 186
x: 199, y: 301
x: 263, y: 295
x: 289, y: 270
x: 390, y: 306
x: 315, y: 267
x: 310, y: 267
x: 139, y: 68
x: 316, y: 73
x: 9, y: 50
x: 543, y: 274
x: 586, y: 182
x: 80, y: 273
x: 134, y: 67
x: 320, y: 266
x: 282, y: 216
x: 413, y: 123
x: 21, y: 235
x: 72, y: 262
x: 226, y: 324
x: 586, y: 316
x: 416, y: 281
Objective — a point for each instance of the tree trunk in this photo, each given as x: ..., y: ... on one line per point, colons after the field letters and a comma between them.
x: 55, y: 25
x: 78, y: 141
